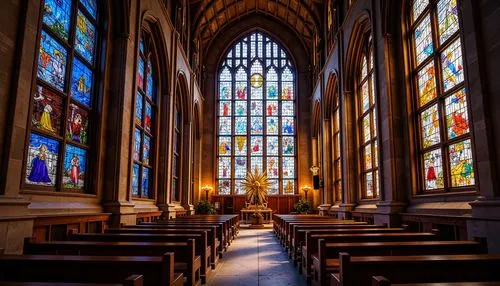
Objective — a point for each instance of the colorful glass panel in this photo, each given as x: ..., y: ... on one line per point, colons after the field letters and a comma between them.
x: 240, y: 108
x: 273, y: 187
x: 366, y: 128
x: 78, y: 124
x: 272, y: 145
x: 85, y: 37
x: 423, y: 40
x: 287, y: 90
x: 418, y: 7
x: 451, y: 63
x: 288, y: 146
x: 457, y: 120
x: 256, y: 163
x: 81, y: 86
x: 225, y: 108
x: 135, y: 180
x: 430, y: 126
x: 91, y: 6
x: 42, y: 160
x: 225, y: 90
x: 149, y: 81
x: 137, y: 144
x: 75, y: 167
x: 365, y: 97
x: 287, y: 108
x: 224, y: 187
x: 138, y: 108
x: 140, y: 73
x: 433, y: 170
x: 146, y: 150
x: 145, y: 181
x: 256, y: 125
x: 240, y: 126
x: 52, y: 60
x: 257, y: 145
x: 289, y: 186
x: 273, y: 167
x: 288, y: 125
x: 272, y: 108
x: 272, y: 125
x: 238, y: 188
x: 225, y: 146
x: 368, y: 157
x: 57, y: 16
x: 224, y: 167
x: 240, y: 145
x: 256, y: 108
x: 447, y: 19
x: 369, y: 182
x: 426, y: 84
x: 47, y: 110
x: 148, y: 117
x: 240, y: 167
x: 462, y: 170
x: 240, y: 90
x: 225, y: 125
x: 288, y: 167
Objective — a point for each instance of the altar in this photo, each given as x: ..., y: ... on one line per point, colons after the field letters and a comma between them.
x: 246, y: 214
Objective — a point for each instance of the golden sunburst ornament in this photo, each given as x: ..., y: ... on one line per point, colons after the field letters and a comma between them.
x: 256, y: 185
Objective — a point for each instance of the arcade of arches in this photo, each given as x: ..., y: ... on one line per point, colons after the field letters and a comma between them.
x: 117, y: 112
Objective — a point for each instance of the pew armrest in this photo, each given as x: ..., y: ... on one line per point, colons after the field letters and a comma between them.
x: 380, y: 281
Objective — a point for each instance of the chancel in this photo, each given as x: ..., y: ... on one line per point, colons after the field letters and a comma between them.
x: 249, y: 142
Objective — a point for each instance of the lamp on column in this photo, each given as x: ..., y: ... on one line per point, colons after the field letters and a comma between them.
x: 306, y: 189
x: 207, y: 190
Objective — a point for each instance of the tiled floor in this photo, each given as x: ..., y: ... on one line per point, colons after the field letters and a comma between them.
x: 256, y: 258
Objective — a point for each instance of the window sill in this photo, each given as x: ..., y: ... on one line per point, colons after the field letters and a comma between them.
x: 57, y: 194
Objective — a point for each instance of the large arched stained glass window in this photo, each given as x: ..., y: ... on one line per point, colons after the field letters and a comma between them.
x: 441, y: 100
x: 64, y: 100
x: 256, y: 115
x: 337, y: 159
x: 145, y: 118
x: 367, y: 122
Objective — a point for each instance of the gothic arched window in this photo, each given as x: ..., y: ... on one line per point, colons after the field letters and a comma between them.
x: 143, y: 170
x: 367, y: 122
x: 64, y: 102
x: 337, y: 159
x: 256, y: 115
x: 440, y: 98
x: 177, y: 164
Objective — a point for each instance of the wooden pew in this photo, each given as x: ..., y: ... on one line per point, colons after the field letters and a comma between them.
x: 301, y: 235
x: 184, y: 252
x: 132, y: 280
x: 219, y: 232
x: 312, y: 240
x: 90, y: 269
x: 211, y: 240
x: 359, y: 270
x: 200, y: 243
x: 326, y: 260
x: 290, y: 224
x: 382, y: 281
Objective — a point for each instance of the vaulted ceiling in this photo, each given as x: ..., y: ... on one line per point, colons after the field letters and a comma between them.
x: 209, y: 17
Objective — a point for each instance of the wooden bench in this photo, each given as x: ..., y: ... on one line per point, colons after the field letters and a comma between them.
x: 201, y: 247
x: 184, y: 252
x: 214, y: 240
x: 311, y: 244
x: 288, y: 229
x: 89, y: 269
x: 326, y: 260
x: 133, y: 280
x: 359, y: 270
x: 382, y: 281
x: 295, y: 249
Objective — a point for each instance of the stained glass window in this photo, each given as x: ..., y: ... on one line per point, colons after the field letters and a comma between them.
x: 256, y: 116
x: 144, y: 118
x: 63, y: 107
x: 337, y: 160
x: 176, y: 194
x: 444, y: 144
x: 367, y: 120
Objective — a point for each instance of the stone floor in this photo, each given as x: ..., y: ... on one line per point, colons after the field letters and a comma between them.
x: 256, y: 258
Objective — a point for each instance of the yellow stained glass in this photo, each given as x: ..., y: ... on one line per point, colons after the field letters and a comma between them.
x: 256, y: 80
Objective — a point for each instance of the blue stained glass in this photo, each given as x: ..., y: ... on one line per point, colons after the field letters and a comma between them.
x: 288, y: 125
x: 272, y: 125
x: 137, y: 144
x: 141, y: 46
x: 145, y: 182
x: 149, y: 79
x: 147, y: 118
x: 135, y: 180
x: 288, y: 146
x: 41, y: 161
x: 85, y: 37
x: 52, y: 59
x: 57, y: 16
x: 75, y: 167
x: 146, y: 150
x: 81, y: 87
x: 256, y: 126
x: 240, y: 125
x: 140, y: 73
x: 138, y: 108
x: 91, y: 6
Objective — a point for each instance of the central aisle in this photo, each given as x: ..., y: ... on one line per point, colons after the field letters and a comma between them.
x: 256, y: 258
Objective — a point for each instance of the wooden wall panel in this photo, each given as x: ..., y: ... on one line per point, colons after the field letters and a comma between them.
x: 282, y: 204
